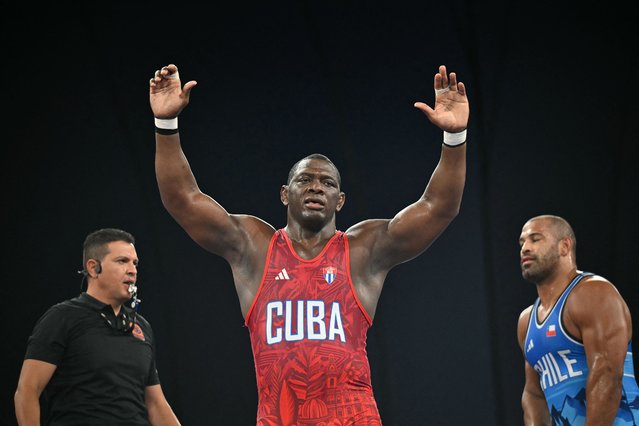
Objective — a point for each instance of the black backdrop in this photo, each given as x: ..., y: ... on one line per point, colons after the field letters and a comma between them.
x: 553, y: 130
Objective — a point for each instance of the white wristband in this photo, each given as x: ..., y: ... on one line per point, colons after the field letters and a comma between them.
x: 167, y: 124
x: 454, y: 139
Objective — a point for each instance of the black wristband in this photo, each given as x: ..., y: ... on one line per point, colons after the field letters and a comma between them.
x: 454, y: 146
x: 165, y: 131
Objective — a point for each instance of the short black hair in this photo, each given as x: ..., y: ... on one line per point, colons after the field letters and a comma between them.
x: 315, y: 156
x: 95, y: 244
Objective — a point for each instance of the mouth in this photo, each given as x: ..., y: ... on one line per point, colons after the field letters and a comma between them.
x: 526, y: 260
x: 314, y: 203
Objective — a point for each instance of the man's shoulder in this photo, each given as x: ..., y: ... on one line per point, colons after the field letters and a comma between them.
x: 594, y: 283
x: 59, y: 312
x: 62, y: 305
x: 363, y: 231
x: 591, y: 277
x: 592, y: 295
x: 70, y: 306
x: 525, y: 313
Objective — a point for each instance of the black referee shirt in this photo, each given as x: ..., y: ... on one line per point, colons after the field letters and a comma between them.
x: 102, y: 370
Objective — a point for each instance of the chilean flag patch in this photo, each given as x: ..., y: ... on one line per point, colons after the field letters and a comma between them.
x: 550, y: 331
x: 329, y: 274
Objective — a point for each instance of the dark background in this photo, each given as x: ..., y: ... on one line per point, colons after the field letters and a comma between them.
x: 553, y: 129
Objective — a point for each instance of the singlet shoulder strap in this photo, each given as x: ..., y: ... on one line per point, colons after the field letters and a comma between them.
x: 580, y: 276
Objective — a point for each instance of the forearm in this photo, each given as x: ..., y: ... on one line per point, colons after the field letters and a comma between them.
x: 27, y: 407
x: 535, y: 410
x: 163, y: 415
x: 603, y: 395
x: 173, y: 172
x: 446, y: 186
x: 160, y: 412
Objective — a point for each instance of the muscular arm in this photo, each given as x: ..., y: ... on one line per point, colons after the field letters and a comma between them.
x: 414, y: 228
x: 603, y: 322
x: 34, y: 376
x: 533, y: 401
x: 379, y: 245
x: 160, y: 412
x: 240, y: 239
x: 203, y: 218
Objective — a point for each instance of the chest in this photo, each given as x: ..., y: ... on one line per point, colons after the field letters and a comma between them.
x: 95, y: 349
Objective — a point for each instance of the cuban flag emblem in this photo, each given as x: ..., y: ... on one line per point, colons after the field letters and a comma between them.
x: 550, y: 332
x: 329, y: 274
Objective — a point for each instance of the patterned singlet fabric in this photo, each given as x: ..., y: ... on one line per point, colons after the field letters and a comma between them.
x: 308, y: 333
x: 560, y: 361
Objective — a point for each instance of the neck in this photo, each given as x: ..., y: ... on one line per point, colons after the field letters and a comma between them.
x: 308, y: 244
x: 307, y: 236
x: 551, y: 287
x: 114, y: 305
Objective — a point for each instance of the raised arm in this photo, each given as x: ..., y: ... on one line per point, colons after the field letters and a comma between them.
x: 415, y: 227
x: 205, y: 220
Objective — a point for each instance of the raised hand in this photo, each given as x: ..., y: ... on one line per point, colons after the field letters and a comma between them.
x: 451, y: 110
x: 166, y: 94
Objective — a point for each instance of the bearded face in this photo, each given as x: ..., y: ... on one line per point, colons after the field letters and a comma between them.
x: 539, y: 251
x: 540, y: 265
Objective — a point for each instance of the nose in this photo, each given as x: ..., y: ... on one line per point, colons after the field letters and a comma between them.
x: 316, y: 186
x: 133, y: 270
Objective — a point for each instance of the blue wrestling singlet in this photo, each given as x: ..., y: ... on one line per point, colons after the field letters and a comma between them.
x: 560, y: 361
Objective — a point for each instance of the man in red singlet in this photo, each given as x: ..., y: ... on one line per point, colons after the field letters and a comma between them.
x: 308, y: 292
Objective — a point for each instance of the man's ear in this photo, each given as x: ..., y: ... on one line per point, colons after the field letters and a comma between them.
x: 565, y: 246
x: 93, y: 268
x: 284, y: 194
x: 341, y: 201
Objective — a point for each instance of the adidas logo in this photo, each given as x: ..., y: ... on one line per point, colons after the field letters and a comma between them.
x: 283, y: 275
x: 530, y: 346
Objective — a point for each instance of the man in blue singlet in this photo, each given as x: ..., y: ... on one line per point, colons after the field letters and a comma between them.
x: 575, y: 337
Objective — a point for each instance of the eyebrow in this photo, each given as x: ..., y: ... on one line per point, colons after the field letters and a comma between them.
x: 124, y: 257
x: 321, y: 175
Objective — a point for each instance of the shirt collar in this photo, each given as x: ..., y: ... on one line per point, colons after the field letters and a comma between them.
x: 94, y: 303
x: 91, y: 301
